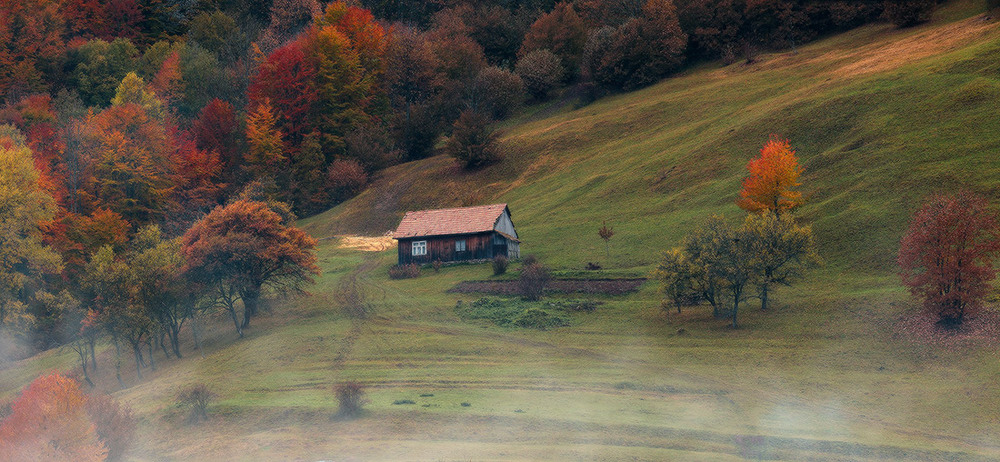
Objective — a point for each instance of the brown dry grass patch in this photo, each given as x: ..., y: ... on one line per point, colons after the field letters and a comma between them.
x: 367, y: 243
x: 885, y: 56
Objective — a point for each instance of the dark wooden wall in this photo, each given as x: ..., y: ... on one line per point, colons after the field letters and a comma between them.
x: 442, y: 248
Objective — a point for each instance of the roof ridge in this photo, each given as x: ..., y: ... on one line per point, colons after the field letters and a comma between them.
x: 459, y: 208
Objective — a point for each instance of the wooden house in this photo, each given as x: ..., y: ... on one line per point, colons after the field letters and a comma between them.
x: 458, y: 234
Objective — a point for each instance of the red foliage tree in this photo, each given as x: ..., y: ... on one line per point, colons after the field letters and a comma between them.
x: 772, y: 176
x: 198, y: 176
x: 287, y: 79
x: 103, y: 19
x: 947, y: 254
x: 168, y: 83
x: 216, y: 129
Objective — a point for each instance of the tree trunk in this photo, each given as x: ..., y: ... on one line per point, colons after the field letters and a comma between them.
x: 152, y: 363
x: 236, y: 321
x: 250, y: 303
x: 82, y: 351
x: 93, y: 356
x: 137, y: 352
x: 194, y: 335
x: 736, y: 306
x: 764, y: 289
x: 165, y: 333
x: 175, y: 341
x: 118, y: 364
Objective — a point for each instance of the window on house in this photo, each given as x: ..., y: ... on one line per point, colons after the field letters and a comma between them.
x: 460, y: 245
x: 419, y: 248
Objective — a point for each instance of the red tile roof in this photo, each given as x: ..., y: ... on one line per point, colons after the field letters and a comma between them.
x: 462, y: 220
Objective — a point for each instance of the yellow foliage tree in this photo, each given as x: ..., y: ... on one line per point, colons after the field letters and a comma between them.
x: 23, y: 258
x: 133, y: 90
x: 266, y: 146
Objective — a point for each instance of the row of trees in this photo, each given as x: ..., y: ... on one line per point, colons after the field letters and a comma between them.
x: 92, y: 276
x: 725, y: 265
x: 142, y: 294
x: 946, y: 255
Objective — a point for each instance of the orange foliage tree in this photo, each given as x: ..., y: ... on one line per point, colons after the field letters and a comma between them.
x: 266, y: 151
x: 244, y: 248
x: 50, y: 422
x: 773, y: 175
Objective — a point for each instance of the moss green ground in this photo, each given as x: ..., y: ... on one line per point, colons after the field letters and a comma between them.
x: 880, y: 118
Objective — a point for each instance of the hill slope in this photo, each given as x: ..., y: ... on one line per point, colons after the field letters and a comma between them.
x: 880, y: 118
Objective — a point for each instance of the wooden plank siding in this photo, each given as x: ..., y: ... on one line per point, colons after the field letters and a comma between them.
x: 482, y: 246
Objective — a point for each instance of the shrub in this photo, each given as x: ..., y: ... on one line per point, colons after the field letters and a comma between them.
x: 404, y: 271
x: 500, y: 264
x: 537, y: 318
x: 345, y: 178
x: 529, y: 260
x: 906, y: 13
x: 533, y: 280
x: 436, y: 265
x: 196, y: 397
x: 351, y: 396
x: 541, y: 71
x: 114, y: 423
x: 403, y: 401
x: 473, y: 142
x: 584, y: 306
x: 593, y: 266
x: 498, y: 92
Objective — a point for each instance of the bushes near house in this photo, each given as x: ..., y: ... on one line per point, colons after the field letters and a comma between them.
x: 500, y: 264
x: 533, y: 280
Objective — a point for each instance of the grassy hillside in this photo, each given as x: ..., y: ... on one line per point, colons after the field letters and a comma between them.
x: 881, y: 118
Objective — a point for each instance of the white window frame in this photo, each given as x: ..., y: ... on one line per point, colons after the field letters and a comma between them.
x: 460, y: 245
x: 419, y: 248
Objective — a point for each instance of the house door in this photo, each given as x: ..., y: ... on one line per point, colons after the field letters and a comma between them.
x: 499, y: 245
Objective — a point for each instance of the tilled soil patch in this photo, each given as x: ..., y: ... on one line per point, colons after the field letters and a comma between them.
x: 566, y: 286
